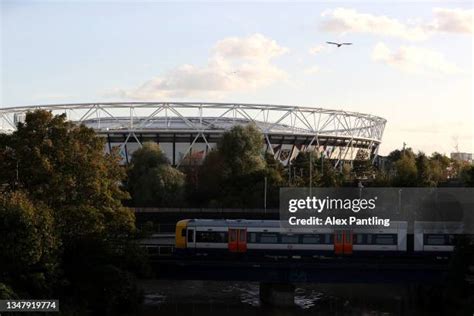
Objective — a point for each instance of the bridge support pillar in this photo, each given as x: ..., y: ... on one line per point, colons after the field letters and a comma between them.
x: 277, y: 294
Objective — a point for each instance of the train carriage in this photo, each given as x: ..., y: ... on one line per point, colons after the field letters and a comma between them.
x: 264, y: 237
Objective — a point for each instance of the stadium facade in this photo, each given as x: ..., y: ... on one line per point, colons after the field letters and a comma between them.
x: 187, y: 131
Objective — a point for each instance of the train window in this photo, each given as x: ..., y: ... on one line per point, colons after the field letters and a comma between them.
x: 289, y: 239
x: 183, y: 232
x: 348, y: 237
x: 232, y: 235
x: 311, y: 239
x: 439, y: 239
x: 190, y: 235
x: 252, y: 237
x: 242, y: 235
x: 211, y: 237
x: 385, y: 239
x: 358, y: 239
x: 434, y: 240
x: 368, y: 239
x: 269, y: 238
x: 329, y: 239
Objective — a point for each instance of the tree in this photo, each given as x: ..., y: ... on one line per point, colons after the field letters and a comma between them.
x: 467, y: 176
x: 363, y: 168
x: 210, y: 179
x: 275, y: 174
x: 233, y: 175
x: 241, y: 149
x: 62, y: 191
x: 406, y: 171
x: 424, y: 171
x: 323, y: 173
x: 29, y: 245
x: 152, y: 181
x: 63, y: 166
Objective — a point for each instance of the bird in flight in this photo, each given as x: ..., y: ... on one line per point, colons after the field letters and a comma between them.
x: 339, y: 44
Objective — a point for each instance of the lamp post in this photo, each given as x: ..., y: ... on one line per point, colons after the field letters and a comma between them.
x: 310, y: 173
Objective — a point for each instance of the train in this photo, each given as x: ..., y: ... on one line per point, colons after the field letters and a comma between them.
x: 194, y: 237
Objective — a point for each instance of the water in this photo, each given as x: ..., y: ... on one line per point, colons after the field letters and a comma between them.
x: 186, y: 298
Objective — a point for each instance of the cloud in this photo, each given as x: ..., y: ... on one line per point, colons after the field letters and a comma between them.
x: 342, y: 20
x: 254, y: 47
x: 413, y: 59
x: 236, y: 64
x: 453, y: 20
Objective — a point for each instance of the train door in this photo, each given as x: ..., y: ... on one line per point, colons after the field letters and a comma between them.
x: 237, y: 240
x: 343, y: 242
x: 347, y: 242
x: 242, y: 244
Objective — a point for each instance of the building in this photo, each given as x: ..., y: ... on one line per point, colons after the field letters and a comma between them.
x: 464, y: 157
x: 186, y: 129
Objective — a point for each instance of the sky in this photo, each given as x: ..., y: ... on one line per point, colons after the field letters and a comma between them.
x: 409, y: 62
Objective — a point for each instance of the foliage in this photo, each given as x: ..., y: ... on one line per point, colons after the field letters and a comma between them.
x: 241, y: 149
x: 152, y: 180
x: 61, y: 208
x: 322, y: 171
x: 467, y: 176
x: 234, y: 174
x: 29, y: 244
x: 406, y: 171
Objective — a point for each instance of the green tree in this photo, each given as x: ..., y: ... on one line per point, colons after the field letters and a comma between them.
x: 241, y: 150
x: 405, y: 171
x: 234, y: 174
x: 29, y: 247
x: 362, y: 165
x: 323, y: 173
x: 62, y: 167
x: 467, y: 176
x: 424, y: 171
x: 275, y: 174
x: 152, y: 181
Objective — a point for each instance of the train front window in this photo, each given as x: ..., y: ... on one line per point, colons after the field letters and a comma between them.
x: 190, y: 235
x: 183, y: 232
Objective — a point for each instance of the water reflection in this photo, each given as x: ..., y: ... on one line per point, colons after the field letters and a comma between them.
x: 198, y: 298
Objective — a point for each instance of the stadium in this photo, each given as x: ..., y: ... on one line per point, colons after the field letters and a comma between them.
x: 187, y: 131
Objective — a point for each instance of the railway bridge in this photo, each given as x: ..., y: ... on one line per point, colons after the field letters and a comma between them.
x: 278, y: 276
